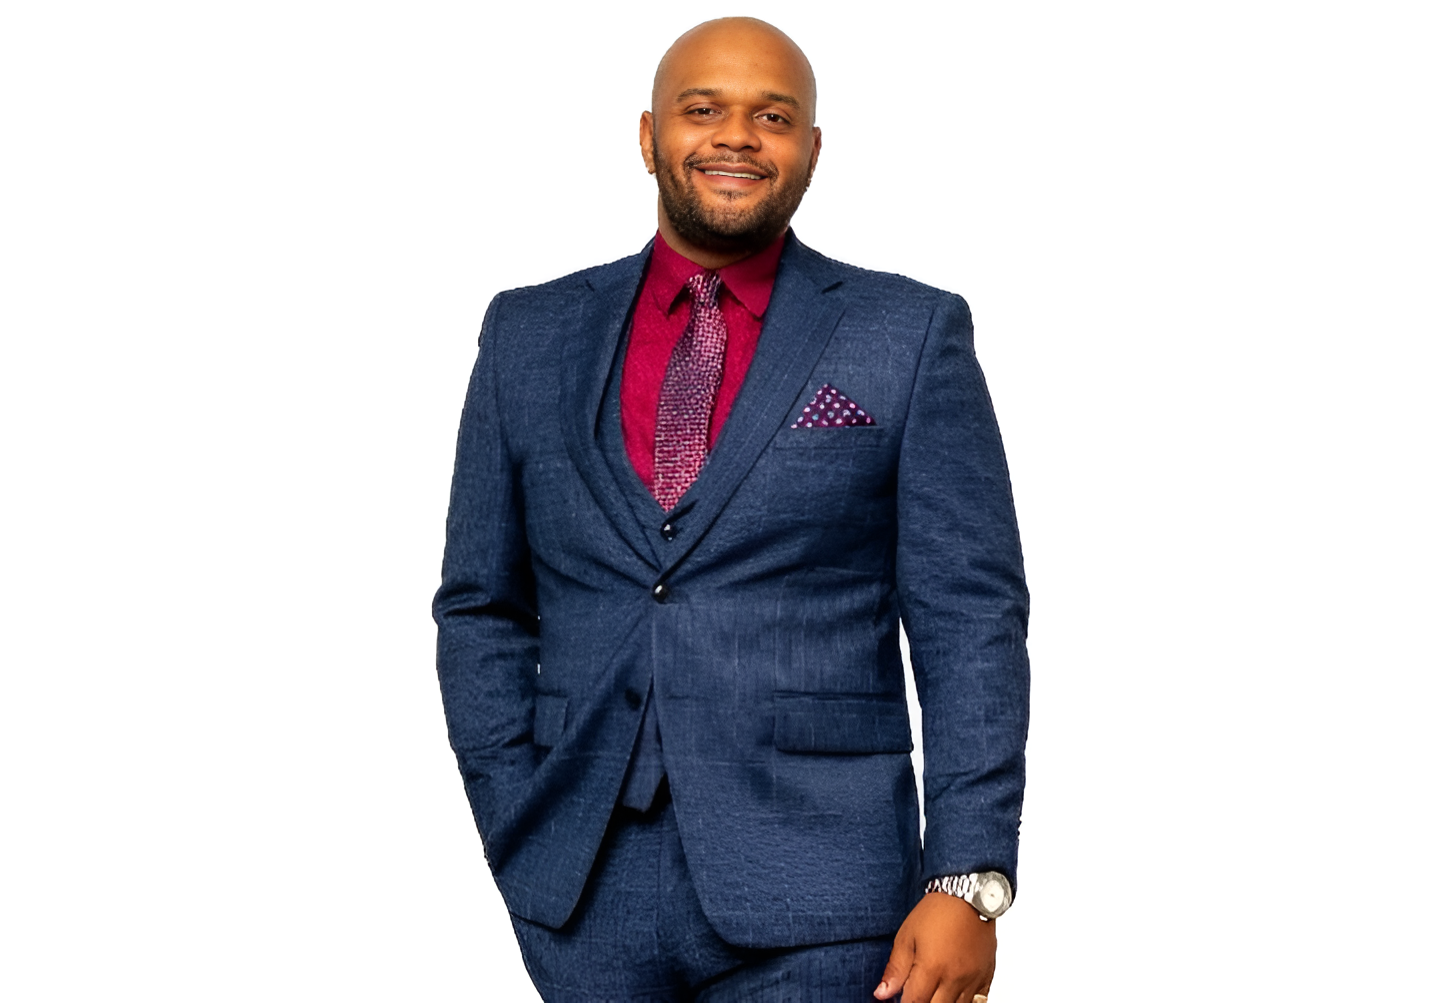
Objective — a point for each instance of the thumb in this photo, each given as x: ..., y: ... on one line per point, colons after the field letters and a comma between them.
x: 899, y: 963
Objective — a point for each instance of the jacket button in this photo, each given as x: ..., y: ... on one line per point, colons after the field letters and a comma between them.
x: 668, y: 530
x: 632, y: 699
x: 660, y: 593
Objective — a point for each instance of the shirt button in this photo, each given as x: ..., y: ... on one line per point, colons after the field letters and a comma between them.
x: 668, y: 530
x: 660, y: 593
x: 632, y: 699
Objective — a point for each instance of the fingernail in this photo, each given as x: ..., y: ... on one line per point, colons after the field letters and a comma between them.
x: 881, y: 988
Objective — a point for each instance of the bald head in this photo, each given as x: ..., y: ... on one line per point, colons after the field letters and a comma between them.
x: 737, y: 47
x: 731, y: 138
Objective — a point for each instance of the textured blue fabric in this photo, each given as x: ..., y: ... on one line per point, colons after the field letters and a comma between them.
x: 639, y: 934
x: 647, y: 765
x: 764, y: 626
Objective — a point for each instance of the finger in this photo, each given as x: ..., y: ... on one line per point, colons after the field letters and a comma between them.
x: 983, y: 988
x: 899, y: 964
x: 978, y: 995
x: 978, y: 985
x: 966, y: 996
x: 923, y: 986
x: 951, y: 991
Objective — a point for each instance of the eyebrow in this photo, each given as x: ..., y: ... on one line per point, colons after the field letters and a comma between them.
x: 711, y: 92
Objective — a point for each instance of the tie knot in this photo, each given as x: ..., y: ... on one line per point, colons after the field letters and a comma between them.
x: 703, y: 287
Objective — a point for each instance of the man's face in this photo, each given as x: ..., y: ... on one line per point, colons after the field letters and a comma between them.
x: 731, y: 138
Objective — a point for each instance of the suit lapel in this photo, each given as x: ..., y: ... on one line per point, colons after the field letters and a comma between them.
x: 587, y: 357
x: 798, y: 324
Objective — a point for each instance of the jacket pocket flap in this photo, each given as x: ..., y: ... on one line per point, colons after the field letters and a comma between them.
x: 850, y: 723
x: 549, y: 718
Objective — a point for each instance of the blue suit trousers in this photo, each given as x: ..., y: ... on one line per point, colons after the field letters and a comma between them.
x: 639, y: 935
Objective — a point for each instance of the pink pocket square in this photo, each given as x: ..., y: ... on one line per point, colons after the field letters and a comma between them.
x: 832, y: 409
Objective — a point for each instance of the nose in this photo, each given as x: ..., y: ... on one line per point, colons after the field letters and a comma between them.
x: 737, y: 132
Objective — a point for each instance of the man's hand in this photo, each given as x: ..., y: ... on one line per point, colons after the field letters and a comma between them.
x: 943, y: 953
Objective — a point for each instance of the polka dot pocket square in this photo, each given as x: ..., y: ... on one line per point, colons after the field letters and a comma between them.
x: 831, y: 408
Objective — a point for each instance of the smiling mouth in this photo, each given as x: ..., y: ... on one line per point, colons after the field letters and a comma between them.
x: 735, y: 174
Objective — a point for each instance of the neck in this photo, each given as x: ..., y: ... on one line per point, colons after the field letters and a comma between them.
x: 706, y: 257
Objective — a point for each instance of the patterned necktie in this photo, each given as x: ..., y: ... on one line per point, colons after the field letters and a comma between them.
x: 688, y: 394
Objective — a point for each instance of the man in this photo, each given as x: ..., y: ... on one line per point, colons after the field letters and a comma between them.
x: 695, y: 492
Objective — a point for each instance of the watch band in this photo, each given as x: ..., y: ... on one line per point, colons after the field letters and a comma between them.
x: 988, y: 892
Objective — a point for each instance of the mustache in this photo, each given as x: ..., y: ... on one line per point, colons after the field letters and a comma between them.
x: 739, y: 159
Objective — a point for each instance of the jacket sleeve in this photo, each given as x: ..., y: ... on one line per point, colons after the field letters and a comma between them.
x: 964, y: 605
x: 488, y: 640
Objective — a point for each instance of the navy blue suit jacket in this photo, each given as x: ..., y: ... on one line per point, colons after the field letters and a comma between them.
x: 764, y: 621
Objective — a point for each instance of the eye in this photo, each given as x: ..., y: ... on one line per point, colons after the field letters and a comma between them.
x: 773, y: 118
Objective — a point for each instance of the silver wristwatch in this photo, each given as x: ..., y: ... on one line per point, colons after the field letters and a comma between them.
x: 988, y: 892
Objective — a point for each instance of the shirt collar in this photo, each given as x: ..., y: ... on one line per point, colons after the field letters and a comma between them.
x: 750, y: 280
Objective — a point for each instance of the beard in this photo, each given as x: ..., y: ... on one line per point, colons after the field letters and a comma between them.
x: 724, y: 229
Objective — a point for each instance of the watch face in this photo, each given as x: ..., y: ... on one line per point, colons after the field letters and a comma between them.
x: 991, y: 894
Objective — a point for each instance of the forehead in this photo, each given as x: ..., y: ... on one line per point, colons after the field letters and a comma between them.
x: 744, y: 65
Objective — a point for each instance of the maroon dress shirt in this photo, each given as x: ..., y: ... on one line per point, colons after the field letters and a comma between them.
x: 660, y: 319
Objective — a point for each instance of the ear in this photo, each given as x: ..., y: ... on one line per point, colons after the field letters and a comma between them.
x: 647, y: 145
x: 816, y: 152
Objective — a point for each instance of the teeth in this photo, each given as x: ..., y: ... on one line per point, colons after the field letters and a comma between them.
x: 729, y: 174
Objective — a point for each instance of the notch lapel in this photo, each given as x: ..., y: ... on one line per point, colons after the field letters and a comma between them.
x: 587, y: 355
x: 799, y: 322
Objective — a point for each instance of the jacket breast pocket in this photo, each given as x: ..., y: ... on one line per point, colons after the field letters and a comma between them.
x: 855, y: 437
x: 848, y: 723
x: 549, y: 718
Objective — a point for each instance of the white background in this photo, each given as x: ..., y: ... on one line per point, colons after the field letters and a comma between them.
x: 244, y: 253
